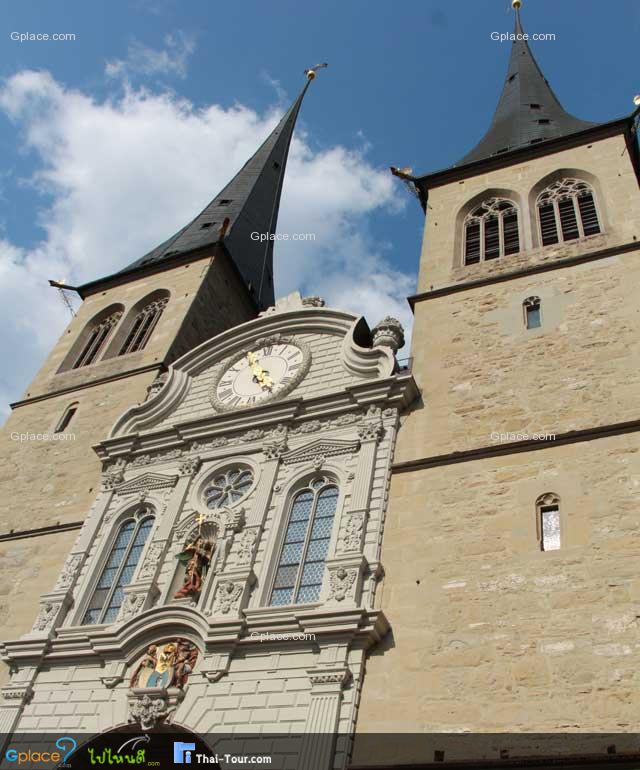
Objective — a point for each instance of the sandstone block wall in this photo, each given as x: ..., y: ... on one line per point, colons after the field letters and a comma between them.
x: 491, y: 634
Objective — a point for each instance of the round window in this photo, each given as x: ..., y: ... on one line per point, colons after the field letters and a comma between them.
x: 228, y: 487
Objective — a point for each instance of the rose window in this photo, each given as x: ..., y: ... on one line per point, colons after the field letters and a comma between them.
x: 228, y: 487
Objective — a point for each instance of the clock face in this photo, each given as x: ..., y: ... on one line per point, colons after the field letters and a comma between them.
x: 262, y: 373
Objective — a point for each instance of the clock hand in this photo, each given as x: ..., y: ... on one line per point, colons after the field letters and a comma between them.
x: 260, y: 375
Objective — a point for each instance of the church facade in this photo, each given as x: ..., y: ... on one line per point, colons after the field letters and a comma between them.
x: 225, y: 578
x: 283, y: 531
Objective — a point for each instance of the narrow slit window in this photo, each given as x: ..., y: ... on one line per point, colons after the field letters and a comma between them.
x: 550, y: 526
x: 549, y: 522
x: 491, y: 231
x: 532, y: 313
x: 567, y: 211
x: 66, y: 418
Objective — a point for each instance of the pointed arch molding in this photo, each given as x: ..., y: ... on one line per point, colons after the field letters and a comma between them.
x: 363, y: 362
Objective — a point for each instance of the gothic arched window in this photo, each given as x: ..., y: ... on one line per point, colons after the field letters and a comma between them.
x: 491, y: 230
x: 143, y: 325
x: 306, y: 542
x: 548, y: 521
x: 567, y: 211
x: 98, y: 335
x: 118, y: 570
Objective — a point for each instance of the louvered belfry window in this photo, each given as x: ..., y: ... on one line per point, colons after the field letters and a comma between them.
x: 119, y: 568
x: 491, y: 230
x: 567, y: 211
x: 95, y: 342
x: 142, y: 326
x: 301, y: 566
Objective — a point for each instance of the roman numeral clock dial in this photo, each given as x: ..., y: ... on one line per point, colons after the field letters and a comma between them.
x: 260, y: 374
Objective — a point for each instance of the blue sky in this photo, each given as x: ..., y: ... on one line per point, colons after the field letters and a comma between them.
x: 163, y: 94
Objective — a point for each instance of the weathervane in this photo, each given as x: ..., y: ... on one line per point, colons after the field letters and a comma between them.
x: 311, y: 72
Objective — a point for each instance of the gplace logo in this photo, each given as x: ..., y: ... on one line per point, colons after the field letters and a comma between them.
x: 182, y: 752
x: 66, y: 744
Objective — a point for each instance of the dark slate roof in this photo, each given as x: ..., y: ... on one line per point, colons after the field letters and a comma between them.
x: 528, y: 111
x: 251, y: 203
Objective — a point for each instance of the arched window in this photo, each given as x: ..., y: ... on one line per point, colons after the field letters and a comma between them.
x: 532, y: 312
x: 491, y: 231
x: 548, y: 521
x: 108, y: 594
x: 67, y: 416
x: 567, y: 211
x: 143, y: 325
x: 98, y: 335
x: 301, y: 565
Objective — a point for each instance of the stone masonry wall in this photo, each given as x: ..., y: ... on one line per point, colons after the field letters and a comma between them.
x: 488, y: 632
x: 481, y: 371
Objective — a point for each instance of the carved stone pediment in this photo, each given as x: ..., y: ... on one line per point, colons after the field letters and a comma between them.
x: 145, y: 483
x: 320, y: 448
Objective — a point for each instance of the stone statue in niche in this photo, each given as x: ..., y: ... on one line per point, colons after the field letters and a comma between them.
x: 167, y: 665
x: 197, y: 557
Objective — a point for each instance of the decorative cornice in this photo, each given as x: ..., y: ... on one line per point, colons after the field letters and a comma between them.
x: 233, y: 429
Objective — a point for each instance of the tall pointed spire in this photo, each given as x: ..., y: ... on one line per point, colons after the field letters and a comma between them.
x: 248, y: 204
x: 528, y: 111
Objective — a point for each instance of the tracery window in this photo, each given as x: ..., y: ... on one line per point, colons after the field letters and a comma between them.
x: 143, y: 325
x: 548, y: 524
x: 301, y: 565
x: 567, y: 211
x: 108, y: 594
x: 228, y: 487
x: 491, y: 230
x: 96, y: 340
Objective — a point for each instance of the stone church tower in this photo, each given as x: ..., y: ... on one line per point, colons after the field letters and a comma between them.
x: 208, y: 277
x: 512, y: 547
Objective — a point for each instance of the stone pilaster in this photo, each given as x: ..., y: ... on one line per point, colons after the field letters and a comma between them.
x: 322, y: 718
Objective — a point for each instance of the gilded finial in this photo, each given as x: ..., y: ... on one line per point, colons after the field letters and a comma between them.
x: 516, y: 4
x: 311, y: 72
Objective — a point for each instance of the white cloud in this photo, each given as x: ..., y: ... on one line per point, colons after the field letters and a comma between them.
x: 146, y: 61
x: 120, y: 175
